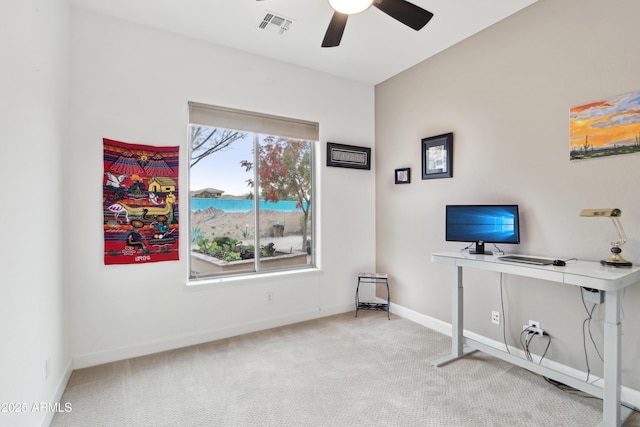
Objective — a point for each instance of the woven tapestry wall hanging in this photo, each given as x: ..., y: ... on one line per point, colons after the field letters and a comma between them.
x: 140, y: 203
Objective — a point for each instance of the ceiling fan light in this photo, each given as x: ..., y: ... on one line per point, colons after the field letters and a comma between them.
x: 349, y: 7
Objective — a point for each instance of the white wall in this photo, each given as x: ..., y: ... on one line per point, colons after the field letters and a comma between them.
x: 33, y: 107
x: 505, y: 94
x: 132, y: 83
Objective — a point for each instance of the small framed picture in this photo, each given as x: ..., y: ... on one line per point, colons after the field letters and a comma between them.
x: 437, y: 156
x: 403, y: 176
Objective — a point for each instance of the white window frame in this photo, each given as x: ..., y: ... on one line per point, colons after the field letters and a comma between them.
x: 257, y: 123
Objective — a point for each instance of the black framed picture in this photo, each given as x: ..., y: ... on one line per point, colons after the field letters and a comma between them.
x: 348, y: 156
x: 403, y: 176
x: 437, y: 156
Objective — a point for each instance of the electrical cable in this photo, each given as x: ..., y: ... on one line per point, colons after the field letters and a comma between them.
x: 528, y: 338
x: 591, y: 334
x: 587, y: 323
x: 466, y: 247
x: 546, y: 348
x: 568, y: 389
x: 528, y: 335
x: 525, y: 343
x: 504, y: 316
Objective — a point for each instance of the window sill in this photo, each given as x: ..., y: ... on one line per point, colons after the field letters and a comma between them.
x: 228, y: 281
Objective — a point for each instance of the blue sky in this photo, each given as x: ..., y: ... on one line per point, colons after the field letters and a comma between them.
x: 222, y: 169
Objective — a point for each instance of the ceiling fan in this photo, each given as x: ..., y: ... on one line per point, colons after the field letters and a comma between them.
x: 401, y: 10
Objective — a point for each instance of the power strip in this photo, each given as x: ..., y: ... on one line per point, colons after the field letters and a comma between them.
x: 593, y: 296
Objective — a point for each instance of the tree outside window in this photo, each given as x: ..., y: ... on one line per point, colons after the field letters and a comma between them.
x: 245, y: 231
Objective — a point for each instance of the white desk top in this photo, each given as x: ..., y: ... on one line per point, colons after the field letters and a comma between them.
x: 580, y: 273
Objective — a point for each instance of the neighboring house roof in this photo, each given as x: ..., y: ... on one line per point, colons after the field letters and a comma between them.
x: 205, y: 191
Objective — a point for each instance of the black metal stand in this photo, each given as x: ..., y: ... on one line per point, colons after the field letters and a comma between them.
x: 374, y: 278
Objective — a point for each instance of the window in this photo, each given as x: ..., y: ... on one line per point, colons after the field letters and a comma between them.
x: 251, y: 192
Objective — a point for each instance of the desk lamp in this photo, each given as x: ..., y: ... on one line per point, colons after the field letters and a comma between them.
x: 615, y: 260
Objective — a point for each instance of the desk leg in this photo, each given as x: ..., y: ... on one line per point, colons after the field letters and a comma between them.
x: 612, y: 364
x: 457, y: 324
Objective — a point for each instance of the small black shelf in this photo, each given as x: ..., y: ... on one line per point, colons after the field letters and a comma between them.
x: 373, y: 306
x: 374, y: 278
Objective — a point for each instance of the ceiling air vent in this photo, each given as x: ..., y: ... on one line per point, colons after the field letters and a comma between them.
x: 275, y: 23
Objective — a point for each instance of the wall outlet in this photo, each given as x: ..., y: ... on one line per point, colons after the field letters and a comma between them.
x: 495, y: 317
x: 270, y: 297
x: 534, y: 327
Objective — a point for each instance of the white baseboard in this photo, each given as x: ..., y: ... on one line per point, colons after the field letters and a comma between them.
x: 59, y: 391
x: 179, y: 341
x: 628, y: 395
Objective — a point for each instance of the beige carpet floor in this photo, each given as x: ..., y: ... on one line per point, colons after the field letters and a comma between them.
x: 336, y: 371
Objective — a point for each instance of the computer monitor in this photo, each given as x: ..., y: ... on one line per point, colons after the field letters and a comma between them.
x: 482, y: 224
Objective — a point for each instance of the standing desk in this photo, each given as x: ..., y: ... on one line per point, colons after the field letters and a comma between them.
x: 587, y: 274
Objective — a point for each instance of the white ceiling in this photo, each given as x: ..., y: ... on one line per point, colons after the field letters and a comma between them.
x: 374, y: 46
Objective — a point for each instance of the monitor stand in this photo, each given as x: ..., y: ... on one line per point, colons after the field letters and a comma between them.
x: 480, y: 250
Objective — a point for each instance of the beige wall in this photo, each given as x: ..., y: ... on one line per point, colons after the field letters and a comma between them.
x: 505, y: 94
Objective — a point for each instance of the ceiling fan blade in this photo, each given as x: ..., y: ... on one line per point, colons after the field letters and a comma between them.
x: 334, y: 32
x: 407, y: 13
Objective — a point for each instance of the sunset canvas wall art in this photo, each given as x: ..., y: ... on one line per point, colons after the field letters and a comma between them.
x: 606, y: 128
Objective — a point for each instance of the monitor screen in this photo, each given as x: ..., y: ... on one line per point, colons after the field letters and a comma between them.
x: 482, y: 224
